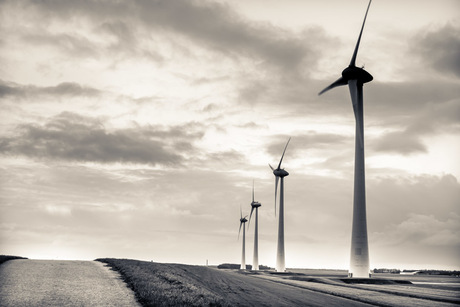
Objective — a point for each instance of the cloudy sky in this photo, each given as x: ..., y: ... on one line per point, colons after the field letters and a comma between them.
x: 134, y: 129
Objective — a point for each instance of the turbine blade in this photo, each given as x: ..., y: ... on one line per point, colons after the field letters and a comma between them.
x: 338, y: 82
x: 279, y: 165
x: 271, y: 167
x: 276, y: 190
x: 355, y: 53
x: 241, y: 213
x: 356, y: 93
x: 241, y: 223
x: 250, y: 216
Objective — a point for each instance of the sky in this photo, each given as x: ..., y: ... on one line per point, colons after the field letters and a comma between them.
x: 135, y: 129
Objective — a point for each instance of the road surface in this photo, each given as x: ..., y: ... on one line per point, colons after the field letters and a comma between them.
x: 61, y: 283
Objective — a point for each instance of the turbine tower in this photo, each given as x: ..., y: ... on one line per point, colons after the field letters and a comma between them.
x: 280, y: 173
x: 355, y: 77
x: 255, y: 205
x: 243, y: 221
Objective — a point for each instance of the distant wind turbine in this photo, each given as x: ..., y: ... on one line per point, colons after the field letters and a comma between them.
x: 243, y: 221
x: 280, y: 173
x: 355, y: 77
x: 255, y: 205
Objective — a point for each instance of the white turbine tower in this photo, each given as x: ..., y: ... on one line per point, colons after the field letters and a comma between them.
x: 255, y: 205
x: 355, y: 77
x: 280, y: 173
x: 243, y: 221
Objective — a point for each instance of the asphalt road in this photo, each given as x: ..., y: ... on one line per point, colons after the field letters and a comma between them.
x: 61, y: 283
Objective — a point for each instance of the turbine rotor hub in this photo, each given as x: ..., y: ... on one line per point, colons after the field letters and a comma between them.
x: 356, y: 73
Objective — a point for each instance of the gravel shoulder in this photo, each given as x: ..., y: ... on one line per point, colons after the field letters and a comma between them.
x: 62, y: 283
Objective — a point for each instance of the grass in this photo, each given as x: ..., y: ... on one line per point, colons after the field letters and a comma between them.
x: 157, y: 284
x: 4, y: 258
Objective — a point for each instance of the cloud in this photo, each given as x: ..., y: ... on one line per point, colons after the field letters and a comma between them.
x: 310, y: 140
x: 214, y: 26
x: 401, y: 142
x: 425, y: 230
x: 430, y: 231
x: 72, y: 44
x: 64, y: 89
x: 441, y: 49
x: 429, y: 119
x: 72, y: 137
x: 400, y: 100
x: 419, y: 242
x: 424, y: 195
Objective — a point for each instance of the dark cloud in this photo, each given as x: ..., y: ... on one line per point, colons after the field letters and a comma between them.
x: 70, y: 136
x: 65, y: 89
x: 399, y: 100
x: 420, y: 213
x: 400, y: 142
x: 121, y: 31
x: 441, y: 49
x: 428, y: 120
x: 218, y: 27
x: 213, y: 26
x: 422, y: 194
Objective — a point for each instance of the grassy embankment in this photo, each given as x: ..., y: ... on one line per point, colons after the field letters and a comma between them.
x: 164, y: 284
x: 4, y: 258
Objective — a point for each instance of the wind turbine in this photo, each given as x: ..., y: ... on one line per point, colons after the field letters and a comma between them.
x: 243, y: 221
x: 280, y: 173
x: 355, y: 77
x: 255, y: 205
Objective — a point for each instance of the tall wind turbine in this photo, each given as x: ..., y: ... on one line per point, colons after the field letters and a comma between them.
x: 243, y: 221
x: 355, y: 77
x: 255, y: 205
x: 280, y: 173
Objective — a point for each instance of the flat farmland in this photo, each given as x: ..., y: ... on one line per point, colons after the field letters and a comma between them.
x: 157, y: 284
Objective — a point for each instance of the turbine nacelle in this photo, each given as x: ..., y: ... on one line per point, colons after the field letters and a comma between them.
x: 356, y: 73
x: 256, y: 204
x: 280, y: 173
x: 242, y: 221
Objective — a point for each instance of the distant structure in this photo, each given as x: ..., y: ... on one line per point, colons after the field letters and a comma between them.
x: 355, y: 77
x: 255, y: 205
x: 243, y: 221
x: 280, y: 173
